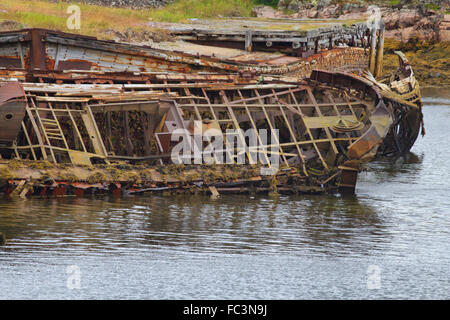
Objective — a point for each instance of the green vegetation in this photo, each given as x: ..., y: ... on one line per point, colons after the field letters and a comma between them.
x: 432, y: 6
x: 96, y: 177
x: 272, y: 3
x: 99, y: 20
x: 180, y: 11
x: 94, y: 19
x: 427, y: 60
x: 5, y: 173
x: 394, y: 2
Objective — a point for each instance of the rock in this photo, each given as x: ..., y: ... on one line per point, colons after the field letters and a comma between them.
x: 282, y: 4
x: 323, y: 4
x: 425, y: 23
x: 353, y: 16
x: 280, y: 14
x: 293, y: 5
x: 391, y: 19
x: 346, y: 7
x: 408, y: 17
x: 405, y: 34
x: 264, y: 12
x: 395, y: 19
x: 444, y: 29
x: 330, y: 11
x: 312, y: 13
x: 403, y: 21
x: 428, y: 28
x: 303, y: 13
x: 401, y: 34
x: 10, y: 25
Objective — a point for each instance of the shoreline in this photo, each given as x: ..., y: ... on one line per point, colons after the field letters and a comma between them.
x: 420, y: 30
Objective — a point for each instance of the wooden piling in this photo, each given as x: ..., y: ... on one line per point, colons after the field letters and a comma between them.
x: 248, y: 41
x: 380, y: 51
x: 373, y: 45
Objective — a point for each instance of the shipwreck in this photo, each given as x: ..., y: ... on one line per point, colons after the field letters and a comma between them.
x: 81, y: 116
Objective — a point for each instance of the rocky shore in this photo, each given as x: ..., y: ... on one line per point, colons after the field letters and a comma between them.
x: 420, y: 29
x: 426, y: 21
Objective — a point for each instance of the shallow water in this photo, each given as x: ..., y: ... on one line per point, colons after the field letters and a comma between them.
x: 390, y: 241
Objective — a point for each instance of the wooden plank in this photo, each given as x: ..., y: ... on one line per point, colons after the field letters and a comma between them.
x: 317, y: 108
x: 261, y: 101
x: 308, y: 131
x: 36, y: 131
x: 256, y: 130
x: 300, y: 154
x: 61, y: 99
x: 93, y: 132
x: 326, y: 121
x: 236, y: 125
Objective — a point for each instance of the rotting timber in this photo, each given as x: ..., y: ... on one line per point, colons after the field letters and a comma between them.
x: 80, y: 115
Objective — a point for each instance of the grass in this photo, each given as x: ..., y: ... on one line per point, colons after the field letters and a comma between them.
x: 394, y: 2
x: 432, y: 6
x: 95, y: 20
x: 181, y: 11
x: 271, y: 3
x: 50, y: 15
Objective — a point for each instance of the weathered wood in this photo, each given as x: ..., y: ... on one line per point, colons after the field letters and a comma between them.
x: 380, y: 51
x: 373, y: 49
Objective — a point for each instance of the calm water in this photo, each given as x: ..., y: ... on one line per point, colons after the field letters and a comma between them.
x: 391, y: 240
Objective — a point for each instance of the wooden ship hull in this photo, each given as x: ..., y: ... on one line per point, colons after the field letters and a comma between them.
x: 80, y: 115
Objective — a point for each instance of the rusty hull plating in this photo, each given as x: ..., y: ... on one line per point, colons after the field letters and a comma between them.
x: 46, y: 50
x: 82, y: 115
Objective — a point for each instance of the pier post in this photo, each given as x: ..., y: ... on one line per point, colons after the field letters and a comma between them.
x: 248, y: 41
x: 380, y: 51
x: 373, y: 45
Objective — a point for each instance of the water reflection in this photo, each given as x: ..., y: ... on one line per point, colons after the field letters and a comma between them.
x: 342, y: 225
x: 407, y: 167
x: 232, y: 224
